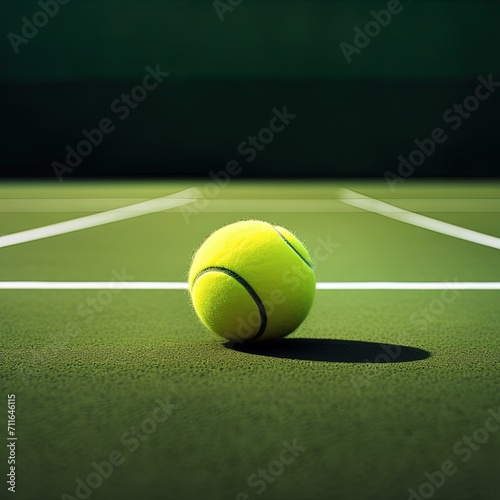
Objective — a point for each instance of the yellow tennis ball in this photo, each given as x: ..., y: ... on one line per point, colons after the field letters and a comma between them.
x: 252, y: 281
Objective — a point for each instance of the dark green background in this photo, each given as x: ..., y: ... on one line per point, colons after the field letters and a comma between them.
x: 225, y: 78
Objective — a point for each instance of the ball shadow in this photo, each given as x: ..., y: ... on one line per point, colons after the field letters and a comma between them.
x: 332, y: 350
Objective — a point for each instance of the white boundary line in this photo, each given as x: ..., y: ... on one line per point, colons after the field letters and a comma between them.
x: 228, y: 205
x: 147, y: 207
x: 347, y: 197
x: 385, y: 209
x: 180, y: 285
x: 416, y: 285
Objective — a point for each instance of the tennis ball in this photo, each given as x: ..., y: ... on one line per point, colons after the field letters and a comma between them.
x: 252, y: 281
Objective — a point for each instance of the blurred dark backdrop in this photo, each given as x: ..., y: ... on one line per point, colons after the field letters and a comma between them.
x: 226, y: 77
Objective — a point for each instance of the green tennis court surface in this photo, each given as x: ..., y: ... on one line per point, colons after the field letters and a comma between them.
x: 122, y: 394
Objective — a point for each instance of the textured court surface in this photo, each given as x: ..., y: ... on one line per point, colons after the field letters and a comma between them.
x: 87, y: 366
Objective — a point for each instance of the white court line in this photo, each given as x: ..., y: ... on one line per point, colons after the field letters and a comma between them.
x: 92, y: 285
x: 180, y: 285
x: 147, y: 207
x: 415, y: 285
x: 385, y: 209
x: 223, y: 205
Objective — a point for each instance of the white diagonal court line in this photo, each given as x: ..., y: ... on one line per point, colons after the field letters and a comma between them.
x: 147, y: 207
x: 228, y: 205
x: 180, y: 285
x: 386, y: 210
